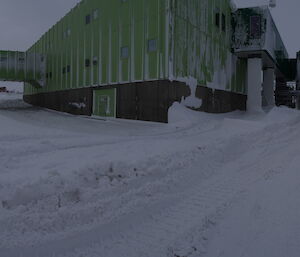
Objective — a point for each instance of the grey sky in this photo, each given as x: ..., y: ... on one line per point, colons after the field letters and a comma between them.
x: 22, y: 22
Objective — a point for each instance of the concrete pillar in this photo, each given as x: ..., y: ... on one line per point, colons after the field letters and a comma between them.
x: 269, y: 87
x: 254, y: 82
x: 298, y: 81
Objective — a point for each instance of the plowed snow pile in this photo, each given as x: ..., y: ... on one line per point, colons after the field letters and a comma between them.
x: 204, y: 185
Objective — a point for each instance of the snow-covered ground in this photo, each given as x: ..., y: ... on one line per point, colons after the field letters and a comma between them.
x: 204, y: 185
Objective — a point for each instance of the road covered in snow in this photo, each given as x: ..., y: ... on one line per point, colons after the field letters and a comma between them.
x: 225, y: 185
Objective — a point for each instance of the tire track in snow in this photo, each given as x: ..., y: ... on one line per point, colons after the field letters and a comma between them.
x: 147, y: 233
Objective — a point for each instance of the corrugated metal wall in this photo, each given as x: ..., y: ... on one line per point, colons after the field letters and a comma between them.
x: 18, y: 66
x: 104, y: 42
x: 201, y: 44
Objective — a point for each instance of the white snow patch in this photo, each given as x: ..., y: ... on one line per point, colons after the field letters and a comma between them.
x: 190, y: 101
x: 222, y: 76
x: 205, y: 185
x: 181, y: 116
x: 78, y: 105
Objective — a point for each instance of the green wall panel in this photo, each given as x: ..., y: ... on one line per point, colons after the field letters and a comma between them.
x: 104, y: 102
x: 188, y: 43
x: 200, y: 47
x: 128, y: 23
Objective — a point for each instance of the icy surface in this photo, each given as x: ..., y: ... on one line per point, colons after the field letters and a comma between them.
x: 204, y: 185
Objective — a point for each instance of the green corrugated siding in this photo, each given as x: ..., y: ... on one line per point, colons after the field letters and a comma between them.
x: 200, y: 48
x: 16, y: 66
x: 119, y: 24
x: 188, y: 44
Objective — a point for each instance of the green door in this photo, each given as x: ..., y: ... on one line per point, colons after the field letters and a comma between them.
x: 104, y: 102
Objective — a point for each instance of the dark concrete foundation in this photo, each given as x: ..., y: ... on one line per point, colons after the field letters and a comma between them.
x: 147, y: 101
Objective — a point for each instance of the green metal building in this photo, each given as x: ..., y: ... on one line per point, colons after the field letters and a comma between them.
x: 132, y: 58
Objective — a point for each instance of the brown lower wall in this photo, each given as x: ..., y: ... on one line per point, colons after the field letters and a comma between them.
x: 63, y: 101
x: 147, y: 101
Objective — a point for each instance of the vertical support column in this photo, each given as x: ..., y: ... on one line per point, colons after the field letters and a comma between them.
x: 254, y: 82
x: 298, y: 80
x: 269, y: 87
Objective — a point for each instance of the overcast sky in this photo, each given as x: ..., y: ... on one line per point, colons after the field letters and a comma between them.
x: 22, y: 22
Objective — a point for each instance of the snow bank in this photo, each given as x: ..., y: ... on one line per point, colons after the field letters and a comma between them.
x: 282, y: 115
x: 180, y: 115
x: 115, y: 188
x: 231, y: 126
x: 12, y: 101
x: 191, y: 101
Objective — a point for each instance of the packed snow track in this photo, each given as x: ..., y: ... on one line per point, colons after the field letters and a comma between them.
x: 208, y: 185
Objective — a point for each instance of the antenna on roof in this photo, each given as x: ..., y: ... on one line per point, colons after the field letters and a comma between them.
x: 272, y: 3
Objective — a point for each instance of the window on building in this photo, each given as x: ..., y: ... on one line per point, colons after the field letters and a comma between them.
x: 152, y: 45
x: 217, y: 18
x: 3, y: 59
x: 64, y: 70
x: 95, y: 60
x: 124, y: 52
x: 255, y: 27
x: 50, y: 74
x: 87, y: 63
x: 95, y: 14
x: 68, y: 68
x: 87, y: 19
x: 223, y: 22
x: 67, y: 33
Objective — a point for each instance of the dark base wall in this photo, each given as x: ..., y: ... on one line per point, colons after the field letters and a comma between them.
x: 64, y: 101
x: 147, y: 101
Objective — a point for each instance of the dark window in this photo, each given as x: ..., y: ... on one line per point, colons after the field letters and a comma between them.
x: 217, y: 19
x: 223, y: 22
x: 47, y: 75
x: 64, y: 70
x: 255, y: 27
x: 152, y: 45
x: 88, y: 19
x: 124, y: 52
x: 87, y: 63
x: 68, y: 68
x: 3, y: 59
x: 95, y: 60
x: 50, y: 74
